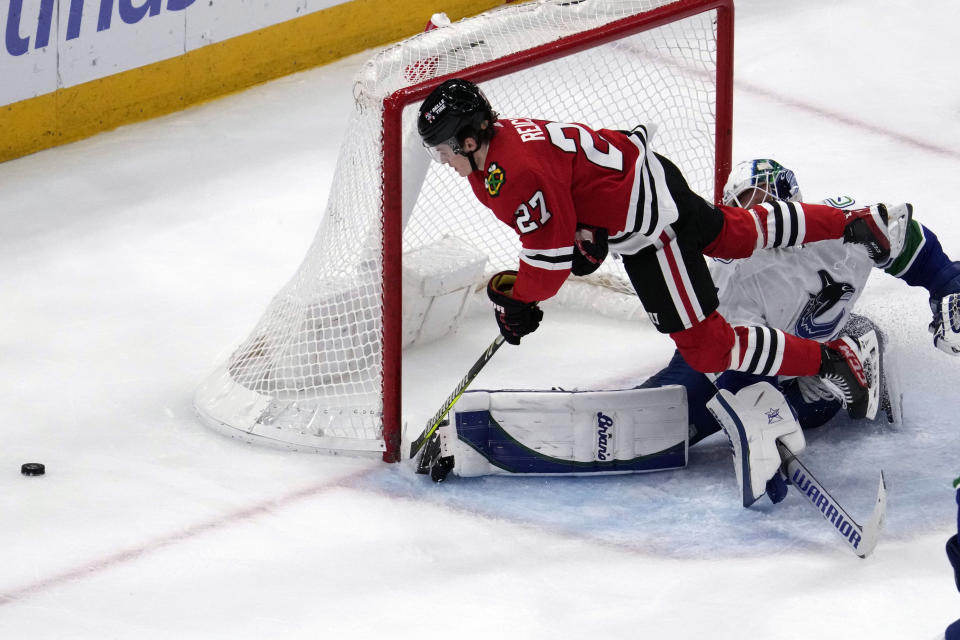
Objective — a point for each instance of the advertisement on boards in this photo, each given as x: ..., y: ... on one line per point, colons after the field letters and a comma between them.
x: 54, y: 44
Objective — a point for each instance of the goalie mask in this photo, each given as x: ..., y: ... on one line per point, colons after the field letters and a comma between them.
x: 454, y: 111
x: 755, y: 181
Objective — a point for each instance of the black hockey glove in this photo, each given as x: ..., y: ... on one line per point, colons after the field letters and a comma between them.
x: 589, y: 249
x: 515, y: 318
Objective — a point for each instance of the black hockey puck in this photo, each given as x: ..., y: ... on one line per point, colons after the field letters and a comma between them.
x: 32, y: 469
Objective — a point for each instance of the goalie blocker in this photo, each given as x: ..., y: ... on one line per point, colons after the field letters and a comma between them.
x: 557, y: 433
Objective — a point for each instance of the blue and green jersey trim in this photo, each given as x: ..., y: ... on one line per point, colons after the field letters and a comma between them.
x: 912, y: 246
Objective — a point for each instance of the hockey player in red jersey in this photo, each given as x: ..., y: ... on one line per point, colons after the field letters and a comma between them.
x: 572, y: 193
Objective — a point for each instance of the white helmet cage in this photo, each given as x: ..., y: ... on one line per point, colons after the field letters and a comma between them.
x: 769, y: 176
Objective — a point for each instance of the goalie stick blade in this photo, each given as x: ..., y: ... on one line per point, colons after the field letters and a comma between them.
x: 439, y: 417
x: 861, y: 540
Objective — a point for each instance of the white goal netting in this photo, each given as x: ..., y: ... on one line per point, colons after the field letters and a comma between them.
x: 312, y: 374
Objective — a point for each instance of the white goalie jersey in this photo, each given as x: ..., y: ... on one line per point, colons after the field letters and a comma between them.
x: 808, y: 291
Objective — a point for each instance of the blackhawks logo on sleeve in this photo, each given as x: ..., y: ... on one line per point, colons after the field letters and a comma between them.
x: 495, y: 179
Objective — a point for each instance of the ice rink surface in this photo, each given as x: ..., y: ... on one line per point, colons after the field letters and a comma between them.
x: 133, y: 262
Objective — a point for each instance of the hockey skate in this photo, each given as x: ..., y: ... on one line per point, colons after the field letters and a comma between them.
x: 850, y: 368
x: 881, y: 230
x: 890, y: 395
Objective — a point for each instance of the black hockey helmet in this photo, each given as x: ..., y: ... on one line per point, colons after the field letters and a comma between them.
x: 453, y: 111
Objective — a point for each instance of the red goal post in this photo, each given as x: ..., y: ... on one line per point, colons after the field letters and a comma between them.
x: 322, y: 369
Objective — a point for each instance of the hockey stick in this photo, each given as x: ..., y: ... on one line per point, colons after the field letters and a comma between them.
x: 457, y: 392
x: 861, y: 539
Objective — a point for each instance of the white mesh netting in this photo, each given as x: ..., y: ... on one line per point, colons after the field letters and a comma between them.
x: 311, y: 373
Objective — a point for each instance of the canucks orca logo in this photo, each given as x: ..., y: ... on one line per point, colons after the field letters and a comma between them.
x: 812, y: 322
x: 495, y: 179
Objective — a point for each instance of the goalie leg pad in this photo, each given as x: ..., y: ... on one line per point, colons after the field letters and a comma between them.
x: 568, y: 432
x: 754, y: 419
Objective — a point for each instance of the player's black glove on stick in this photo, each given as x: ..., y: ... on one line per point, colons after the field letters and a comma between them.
x: 589, y: 249
x: 515, y: 318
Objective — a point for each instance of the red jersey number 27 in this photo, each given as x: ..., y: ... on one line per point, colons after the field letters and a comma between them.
x: 532, y: 214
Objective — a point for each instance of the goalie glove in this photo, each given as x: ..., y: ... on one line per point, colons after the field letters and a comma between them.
x: 946, y: 323
x: 514, y: 317
x: 589, y: 249
x: 754, y: 419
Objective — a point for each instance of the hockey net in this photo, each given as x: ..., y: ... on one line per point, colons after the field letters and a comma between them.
x: 321, y: 369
